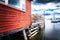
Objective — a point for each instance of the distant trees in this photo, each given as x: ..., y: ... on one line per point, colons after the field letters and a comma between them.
x: 36, y: 18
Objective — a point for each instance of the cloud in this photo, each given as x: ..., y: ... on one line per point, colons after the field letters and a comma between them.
x: 48, y: 8
x: 44, y: 6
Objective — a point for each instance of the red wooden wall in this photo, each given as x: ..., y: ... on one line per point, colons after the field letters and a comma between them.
x: 11, y: 19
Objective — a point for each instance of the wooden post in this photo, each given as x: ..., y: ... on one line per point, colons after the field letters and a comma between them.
x: 24, y: 34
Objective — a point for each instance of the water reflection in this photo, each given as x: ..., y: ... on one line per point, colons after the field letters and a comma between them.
x: 52, y: 30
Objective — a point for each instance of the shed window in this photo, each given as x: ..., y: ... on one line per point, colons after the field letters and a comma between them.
x: 20, y: 4
x: 2, y: 1
x: 14, y: 2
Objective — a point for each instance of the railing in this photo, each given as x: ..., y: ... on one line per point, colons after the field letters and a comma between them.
x: 33, y: 30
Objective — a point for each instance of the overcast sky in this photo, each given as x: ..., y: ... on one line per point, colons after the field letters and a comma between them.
x: 46, y: 1
x: 49, y: 6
